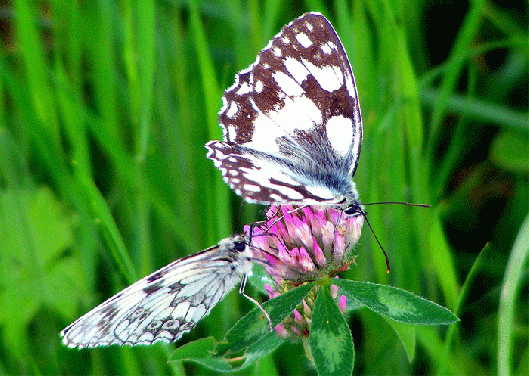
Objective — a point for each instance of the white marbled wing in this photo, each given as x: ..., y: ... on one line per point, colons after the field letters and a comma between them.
x: 167, y: 303
x: 291, y: 121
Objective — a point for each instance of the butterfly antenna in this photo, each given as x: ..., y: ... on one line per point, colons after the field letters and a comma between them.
x: 398, y: 203
x: 280, y: 217
x: 371, y: 228
x: 378, y: 242
x: 239, y: 216
x: 264, y: 233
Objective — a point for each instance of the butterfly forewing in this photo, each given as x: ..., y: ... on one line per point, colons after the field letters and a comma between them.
x: 167, y: 303
x: 291, y: 121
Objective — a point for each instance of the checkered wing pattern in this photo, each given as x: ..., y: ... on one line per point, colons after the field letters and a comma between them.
x: 167, y: 303
x: 291, y: 121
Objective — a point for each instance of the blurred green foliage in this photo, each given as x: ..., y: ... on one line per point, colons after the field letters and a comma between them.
x: 105, y: 108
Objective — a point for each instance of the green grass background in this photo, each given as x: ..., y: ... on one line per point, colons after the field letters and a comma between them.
x: 104, y: 111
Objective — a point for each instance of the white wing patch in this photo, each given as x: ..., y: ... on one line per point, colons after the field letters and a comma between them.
x: 299, y: 110
x: 287, y: 84
x: 296, y: 69
x: 266, y: 134
x: 339, y: 132
x: 304, y: 40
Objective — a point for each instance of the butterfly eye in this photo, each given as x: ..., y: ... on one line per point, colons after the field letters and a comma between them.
x: 354, y: 209
x: 240, y: 246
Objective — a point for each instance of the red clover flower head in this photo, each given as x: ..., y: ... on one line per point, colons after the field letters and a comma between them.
x: 305, y: 244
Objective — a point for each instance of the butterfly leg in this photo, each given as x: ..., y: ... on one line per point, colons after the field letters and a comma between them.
x: 241, y: 291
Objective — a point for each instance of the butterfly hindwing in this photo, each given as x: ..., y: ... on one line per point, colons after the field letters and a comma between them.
x: 291, y: 121
x: 266, y: 179
x: 165, y: 304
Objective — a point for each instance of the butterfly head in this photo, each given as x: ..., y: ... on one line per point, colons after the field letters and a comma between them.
x: 354, y: 208
x: 239, y: 243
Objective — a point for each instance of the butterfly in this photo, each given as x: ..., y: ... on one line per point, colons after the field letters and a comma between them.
x: 167, y: 303
x: 291, y: 122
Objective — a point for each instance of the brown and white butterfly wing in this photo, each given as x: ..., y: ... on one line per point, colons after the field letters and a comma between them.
x: 291, y: 121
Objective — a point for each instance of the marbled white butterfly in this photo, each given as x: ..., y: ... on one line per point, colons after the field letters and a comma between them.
x: 291, y: 121
x: 167, y: 303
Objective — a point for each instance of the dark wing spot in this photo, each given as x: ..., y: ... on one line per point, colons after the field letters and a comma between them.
x: 153, y: 325
x: 152, y: 288
x: 171, y: 324
x: 116, y: 297
x: 175, y: 287
x: 177, y: 300
x: 139, y: 314
x: 156, y: 276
